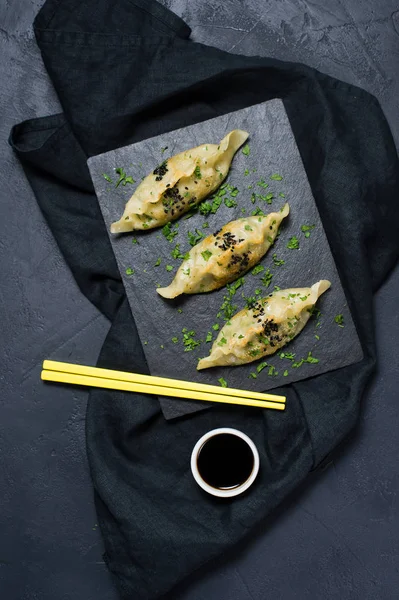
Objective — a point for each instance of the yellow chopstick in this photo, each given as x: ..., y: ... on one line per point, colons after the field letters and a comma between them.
x: 128, y: 386
x: 52, y: 365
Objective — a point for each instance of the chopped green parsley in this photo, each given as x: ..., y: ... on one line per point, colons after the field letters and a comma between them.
x: 293, y: 243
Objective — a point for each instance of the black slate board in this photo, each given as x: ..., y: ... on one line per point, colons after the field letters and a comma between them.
x: 272, y: 150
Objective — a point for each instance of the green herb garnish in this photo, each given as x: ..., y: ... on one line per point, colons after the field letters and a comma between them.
x: 107, y: 178
x: 306, y: 229
x: 206, y: 255
x: 230, y: 203
x: 176, y: 252
x: 169, y: 267
x: 194, y: 238
x: 175, y: 340
x: 248, y: 228
x: 293, y: 243
x: 170, y: 231
x: 246, y: 150
x: 129, y: 271
x: 278, y: 261
x: 267, y: 278
x: 261, y: 183
x: 222, y: 382
x: 215, y: 327
x: 157, y: 263
x: 258, y: 269
x: 276, y: 177
x: 197, y: 172
x: 189, y: 340
x: 208, y: 336
x: 339, y: 319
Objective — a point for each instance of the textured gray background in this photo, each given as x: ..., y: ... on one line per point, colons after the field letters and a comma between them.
x: 339, y: 538
x: 272, y: 150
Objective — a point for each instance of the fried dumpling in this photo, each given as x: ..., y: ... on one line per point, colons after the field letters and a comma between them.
x: 179, y: 183
x: 262, y: 330
x: 225, y: 255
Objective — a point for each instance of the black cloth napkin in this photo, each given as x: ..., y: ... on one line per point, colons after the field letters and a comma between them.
x: 125, y: 70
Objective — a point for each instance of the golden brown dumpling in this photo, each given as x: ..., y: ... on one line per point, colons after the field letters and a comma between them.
x: 225, y: 255
x: 179, y: 183
x: 262, y: 330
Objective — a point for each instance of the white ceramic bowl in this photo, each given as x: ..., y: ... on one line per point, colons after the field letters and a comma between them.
x: 218, y: 492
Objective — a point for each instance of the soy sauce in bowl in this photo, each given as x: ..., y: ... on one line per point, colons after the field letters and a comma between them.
x: 225, y: 461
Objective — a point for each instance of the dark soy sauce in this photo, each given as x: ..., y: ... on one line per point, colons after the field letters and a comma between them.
x: 225, y: 461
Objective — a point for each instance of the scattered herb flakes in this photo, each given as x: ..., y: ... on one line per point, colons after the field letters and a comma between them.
x: 206, y: 255
x: 205, y: 225
x: 208, y: 336
x: 215, y: 327
x: 180, y: 310
x: 169, y: 267
x: 162, y: 346
x: 257, y: 212
x: 222, y: 382
x: 246, y: 172
x: 186, y: 271
x: 222, y: 342
x: 244, y: 211
x: 272, y: 371
x: 258, y: 292
x: 287, y: 355
x: 189, y: 340
x: 285, y: 373
x: 157, y: 263
x: 276, y: 177
x: 261, y: 366
x: 248, y: 228
x: 261, y: 183
x: 176, y: 252
x: 170, y: 231
x: 135, y: 241
x: 276, y: 288
x: 129, y: 271
x: 194, y: 238
x: 252, y: 375
x: 246, y: 150
x: 293, y: 243
x: 306, y: 229
x: 317, y: 337
x: 128, y: 179
x: 145, y: 343
x: 278, y: 262
x: 258, y: 269
x: 230, y: 202
x: 227, y: 308
x: 267, y: 278
x: 107, y: 178
x: 281, y: 195
x: 197, y: 172
x: 309, y: 359
x: 205, y: 208
x: 339, y: 319
x: 164, y: 149
x: 175, y: 340
x: 119, y: 171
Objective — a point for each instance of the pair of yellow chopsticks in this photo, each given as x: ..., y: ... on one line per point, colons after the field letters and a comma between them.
x: 132, y: 382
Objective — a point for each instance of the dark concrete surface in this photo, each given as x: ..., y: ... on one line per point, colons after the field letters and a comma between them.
x: 337, y: 539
